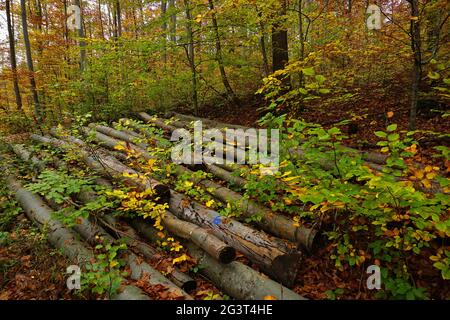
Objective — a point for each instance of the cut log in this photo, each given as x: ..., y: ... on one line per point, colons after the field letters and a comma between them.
x: 273, y: 256
x: 109, y: 167
x: 370, y: 156
x: 240, y: 281
x: 277, y: 225
x: 226, y: 176
x: 60, y: 237
x: 112, y: 143
x: 235, y: 279
x: 132, y: 240
x: 208, y: 242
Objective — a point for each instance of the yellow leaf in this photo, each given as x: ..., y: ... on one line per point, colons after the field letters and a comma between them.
x: 210, y: 203
x: 180, y: 259
x: 290, y: 179
x: 120, y: 147
x: 390, y: 114
x: 270, y: 298
x: 113, y: 263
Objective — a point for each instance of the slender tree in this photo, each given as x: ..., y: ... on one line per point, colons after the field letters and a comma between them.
x: 190, y: 51
x: 26, y: 39
x: 173, y: 21
x: 81, y: 35
x: 164, y: 28
x: 12, y: 55
x: 219, y: 57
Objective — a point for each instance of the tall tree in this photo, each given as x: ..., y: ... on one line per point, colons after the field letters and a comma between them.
x: 164, y: 28
x: 173, y: 21
x: 219, y: 57
x: 118, y: 18
x: 26, y: 39
x: 416, y: 46
x: 280, y: 53
x: 12, y: 55
x: 81, y: 35
x: 190, y: 51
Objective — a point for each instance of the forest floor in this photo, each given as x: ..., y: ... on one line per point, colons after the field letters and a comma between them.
x: 29, y: 268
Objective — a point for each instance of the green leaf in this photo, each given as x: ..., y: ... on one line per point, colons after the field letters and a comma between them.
x: 320, y: 79
x: 433, y: 75
x: 309, y: 71
x: 392, y: 128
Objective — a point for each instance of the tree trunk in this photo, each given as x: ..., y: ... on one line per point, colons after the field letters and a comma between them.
x: 12, y: 55
x: 280, y: 54
x: 164, y: 29
x: 416, y: 46
x: 219, y: 57
x: 118, y: 18
x: 191, y: 55
x: 26, y: 39
x: 173, y: 21
x: 81, y: 35
x: 100, y: 18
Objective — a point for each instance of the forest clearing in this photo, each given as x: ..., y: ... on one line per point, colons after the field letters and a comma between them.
x: 224, y: 150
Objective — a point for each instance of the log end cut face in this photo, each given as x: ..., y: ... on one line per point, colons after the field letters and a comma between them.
x: 227, y: 255
x: 285, y: 268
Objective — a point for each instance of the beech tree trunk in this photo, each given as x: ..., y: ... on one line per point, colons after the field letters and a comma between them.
x: 26, y: 39
x: 416, y: 46
x: 219, y: 56
x: 12, y: 55
x: 280, y: 53
x: 191, y: 54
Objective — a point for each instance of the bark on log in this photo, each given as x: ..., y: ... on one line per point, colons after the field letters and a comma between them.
x: 273, y: 256
x: 240, y: 281
x: 236, y: 279
x: 112, y: 143
x: 202, y: 238
x: 109, y: 167
x: 370, y: 156
x: 26, y: 156
x: 277, y: 225
x: 132, y: 240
